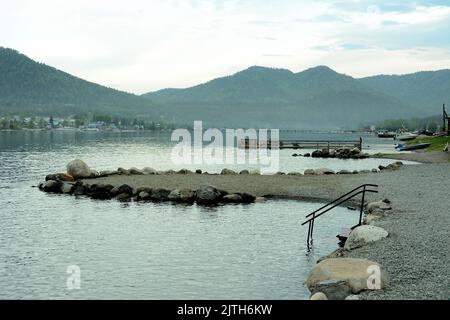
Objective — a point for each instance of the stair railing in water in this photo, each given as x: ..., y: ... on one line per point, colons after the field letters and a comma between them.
x: 362, y: 189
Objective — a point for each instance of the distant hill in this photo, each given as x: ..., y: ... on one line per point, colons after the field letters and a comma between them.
x: 30, y: 87
x: 315, y: 98
x: 256, y: 97
x: 426, y: 90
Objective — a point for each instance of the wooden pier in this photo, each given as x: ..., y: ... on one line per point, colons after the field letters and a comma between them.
x: 301, y: 144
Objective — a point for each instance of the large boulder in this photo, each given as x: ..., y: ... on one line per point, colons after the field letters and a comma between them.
x: 208, y: 195
x: 78, y: 169
x: 333, y: 289
x: 356, y: 273
x: 362, y: 235
x: 182, y: 195
x: 160, y: 194
x: 308, y: 172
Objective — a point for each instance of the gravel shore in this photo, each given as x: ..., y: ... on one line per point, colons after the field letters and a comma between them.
x: 416, y: 254
x: 418, y: 156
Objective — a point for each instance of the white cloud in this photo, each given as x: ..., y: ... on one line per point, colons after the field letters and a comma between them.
x: 140, y: 45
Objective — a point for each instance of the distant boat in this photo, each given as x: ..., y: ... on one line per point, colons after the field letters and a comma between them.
x: 406, y: 136
x: 386, y: 134
x: 402, y: 147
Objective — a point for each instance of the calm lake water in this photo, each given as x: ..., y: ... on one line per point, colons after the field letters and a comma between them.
x: 150, y: 251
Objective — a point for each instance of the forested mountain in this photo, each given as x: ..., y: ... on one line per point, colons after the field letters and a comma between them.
x: 316, y: 98
x: 426, y: 90
x: 30, y: 87
x: 256, y: 97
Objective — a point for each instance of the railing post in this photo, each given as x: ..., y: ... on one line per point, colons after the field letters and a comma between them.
x: 312, y: 228
x: 309, y: 231
x: 362, y: 205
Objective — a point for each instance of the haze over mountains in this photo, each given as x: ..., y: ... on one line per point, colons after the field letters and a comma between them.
x: 256, y: 97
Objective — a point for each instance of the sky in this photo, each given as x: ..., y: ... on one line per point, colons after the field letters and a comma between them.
x: 146, y: 45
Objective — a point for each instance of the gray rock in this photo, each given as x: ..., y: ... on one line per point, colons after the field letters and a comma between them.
x: 333, y: 289
x: 101, y: 191
x: 123, y: 171
x: 343, y: 172
x: 244, y: 172
x: 294, y: 173
x: 182, y: 195
x: 208, y: 195
x: 318, y: 296
x: 227, y: 171
x: 78, y: 169
x: 233, y: 198
x: 143, y: 196
x: 184, y: 171
x: 148, y: 170
x: 123, y: 197
x: 309, y: 172
x: 160, y: 194
x: 53, y: 186
x: 198, y: 171
x: 135, y: 171
x: 124, y: 188
x: 321, y: 171
x: 374, y: 170
x: 363, y: 235
x: 307, y: 155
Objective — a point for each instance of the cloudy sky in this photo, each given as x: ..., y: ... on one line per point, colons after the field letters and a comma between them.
x: 145, y: 45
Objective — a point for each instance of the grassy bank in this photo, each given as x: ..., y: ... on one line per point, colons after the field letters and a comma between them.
x: 437, y: 143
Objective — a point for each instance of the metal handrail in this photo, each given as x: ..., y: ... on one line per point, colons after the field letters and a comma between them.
x: 364, y: 185
x: 349, y: 195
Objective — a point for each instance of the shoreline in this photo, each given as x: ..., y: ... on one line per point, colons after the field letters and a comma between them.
x: 416, y: 156
x: 415, y: 254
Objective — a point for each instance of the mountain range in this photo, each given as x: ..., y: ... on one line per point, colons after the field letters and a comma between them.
x: 255, y: 97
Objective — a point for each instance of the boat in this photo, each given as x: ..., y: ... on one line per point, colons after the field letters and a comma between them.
x: 386, y: 134
x: 406, y: 136
x: 403, y: 147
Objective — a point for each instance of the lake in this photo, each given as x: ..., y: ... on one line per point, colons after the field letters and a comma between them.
x: 145, y: 250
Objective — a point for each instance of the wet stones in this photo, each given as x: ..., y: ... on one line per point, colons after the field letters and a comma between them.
x: 208, y: 195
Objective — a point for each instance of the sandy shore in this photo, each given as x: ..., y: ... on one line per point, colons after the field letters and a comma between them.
x: 416, y: 254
